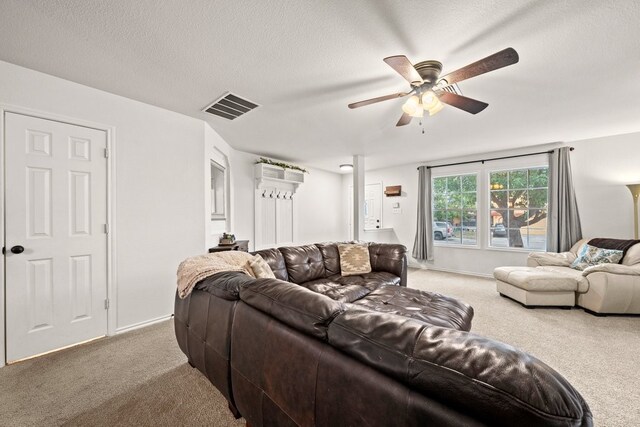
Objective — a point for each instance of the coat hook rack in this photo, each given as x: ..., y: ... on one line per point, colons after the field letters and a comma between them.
x: 278, y: 196
x: 271, y: 195
x: 264, y: 193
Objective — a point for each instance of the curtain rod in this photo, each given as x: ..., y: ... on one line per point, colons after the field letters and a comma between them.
x: 492, y: 159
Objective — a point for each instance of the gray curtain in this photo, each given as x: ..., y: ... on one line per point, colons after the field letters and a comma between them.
x: 423, y: 245
x: 563, y: 226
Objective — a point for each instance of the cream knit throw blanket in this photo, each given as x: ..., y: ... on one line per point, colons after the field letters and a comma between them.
x: 194, y: 269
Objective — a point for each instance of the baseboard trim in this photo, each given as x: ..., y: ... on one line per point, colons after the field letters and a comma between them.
x: 143, y: 324
x: 448, y: 270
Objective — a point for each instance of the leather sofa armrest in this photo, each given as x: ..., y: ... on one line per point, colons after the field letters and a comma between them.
x: 478, y: 375
x: 225, y: 285
x: 292, y: 304
x: 391, y: 258
x: 562, y: 259
x: 628, y: 270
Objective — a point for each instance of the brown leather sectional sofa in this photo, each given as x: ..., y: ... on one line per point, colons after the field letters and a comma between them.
x: 315, y: 348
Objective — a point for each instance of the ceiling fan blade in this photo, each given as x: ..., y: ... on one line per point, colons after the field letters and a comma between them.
x: 493, y: 62
x: 403, y: 66
x: 378, y: 99
x: 404, y: 120
x: 462, y: 102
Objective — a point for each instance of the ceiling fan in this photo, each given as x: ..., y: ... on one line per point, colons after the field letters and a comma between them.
x: 429, y: 90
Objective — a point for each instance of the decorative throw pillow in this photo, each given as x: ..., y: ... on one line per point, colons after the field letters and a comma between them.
x: 354, y: 259
x: 260, y: 268
x: 590, y: 255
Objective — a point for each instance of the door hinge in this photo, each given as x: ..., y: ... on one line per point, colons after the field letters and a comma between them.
x: 106, y: 153
x: 106, y: 304
x: 106, y: 229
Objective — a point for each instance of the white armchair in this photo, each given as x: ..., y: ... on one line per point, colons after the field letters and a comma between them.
x: 602, y: 288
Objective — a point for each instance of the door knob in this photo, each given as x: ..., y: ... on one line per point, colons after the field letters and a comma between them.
x: 17, y: 249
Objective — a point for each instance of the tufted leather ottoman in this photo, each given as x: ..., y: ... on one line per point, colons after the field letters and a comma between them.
x: 429, y: 307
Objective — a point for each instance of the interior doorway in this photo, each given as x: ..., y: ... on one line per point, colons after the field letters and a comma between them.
x: 372, y: 207
x: 56, y: 239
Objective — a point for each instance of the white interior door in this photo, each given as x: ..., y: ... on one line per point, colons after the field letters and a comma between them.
x: 372, y: 206
x: 56, y: 210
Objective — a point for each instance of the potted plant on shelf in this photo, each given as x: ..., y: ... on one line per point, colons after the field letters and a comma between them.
x: 280, y: 164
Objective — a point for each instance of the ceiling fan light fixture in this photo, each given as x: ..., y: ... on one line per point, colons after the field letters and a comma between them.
x: 411, y: 105
x: 418, y: 112
x: 424, y: 77
x: 436, y: 108
x: 429, y: 100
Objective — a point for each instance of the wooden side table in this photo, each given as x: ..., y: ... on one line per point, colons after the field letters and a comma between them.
x: 239, y: 245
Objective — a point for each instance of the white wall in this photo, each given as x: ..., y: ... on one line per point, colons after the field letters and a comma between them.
x: 319, y: 203
x: 243, y: 188
x: 217, y: 149
x: 601, y: 168
x: 162, y: 180
x: 159, y: 172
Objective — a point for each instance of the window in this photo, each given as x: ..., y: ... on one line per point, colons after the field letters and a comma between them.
x: 455, y: 209
x: 518, y: 208
x: 217, y: 191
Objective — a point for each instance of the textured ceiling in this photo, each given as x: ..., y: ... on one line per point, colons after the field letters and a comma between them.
x: 304, y: 61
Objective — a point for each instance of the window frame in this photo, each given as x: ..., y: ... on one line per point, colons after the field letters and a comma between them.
x: 489, y: 208
x: 478, y: 175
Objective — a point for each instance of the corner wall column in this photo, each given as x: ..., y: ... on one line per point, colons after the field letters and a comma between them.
x: 358, y: 197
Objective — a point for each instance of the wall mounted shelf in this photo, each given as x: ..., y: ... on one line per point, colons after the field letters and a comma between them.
x: 272, y: 176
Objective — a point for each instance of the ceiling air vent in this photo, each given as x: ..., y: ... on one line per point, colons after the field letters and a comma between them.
x: 230, y: 106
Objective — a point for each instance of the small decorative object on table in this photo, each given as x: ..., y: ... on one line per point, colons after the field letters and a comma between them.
x: 227, y: 239
x: 238, y: 245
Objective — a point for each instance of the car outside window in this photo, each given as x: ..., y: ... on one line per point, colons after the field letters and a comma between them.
x: 454, y: 209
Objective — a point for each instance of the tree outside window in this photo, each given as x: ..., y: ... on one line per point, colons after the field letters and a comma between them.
x: 455, y: 203
x: 519, y: 200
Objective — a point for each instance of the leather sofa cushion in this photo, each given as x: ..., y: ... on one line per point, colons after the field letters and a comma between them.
x: 304, y: 263
x: 502, y: 382
x: 429, y: 307
x: 225, y: 285
x: 331, y: 257
x: 334, y: 289
x: 293, y: 305
x: 274, y: 258
x: 376, y: 279
x: 351, y: 288
x: 387, y: 257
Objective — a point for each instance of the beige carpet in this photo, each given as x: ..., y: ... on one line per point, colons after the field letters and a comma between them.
x: 141, y: 378
x: 600, y: 356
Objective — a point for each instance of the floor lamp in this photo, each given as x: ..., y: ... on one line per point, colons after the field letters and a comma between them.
x: 635, y: 192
